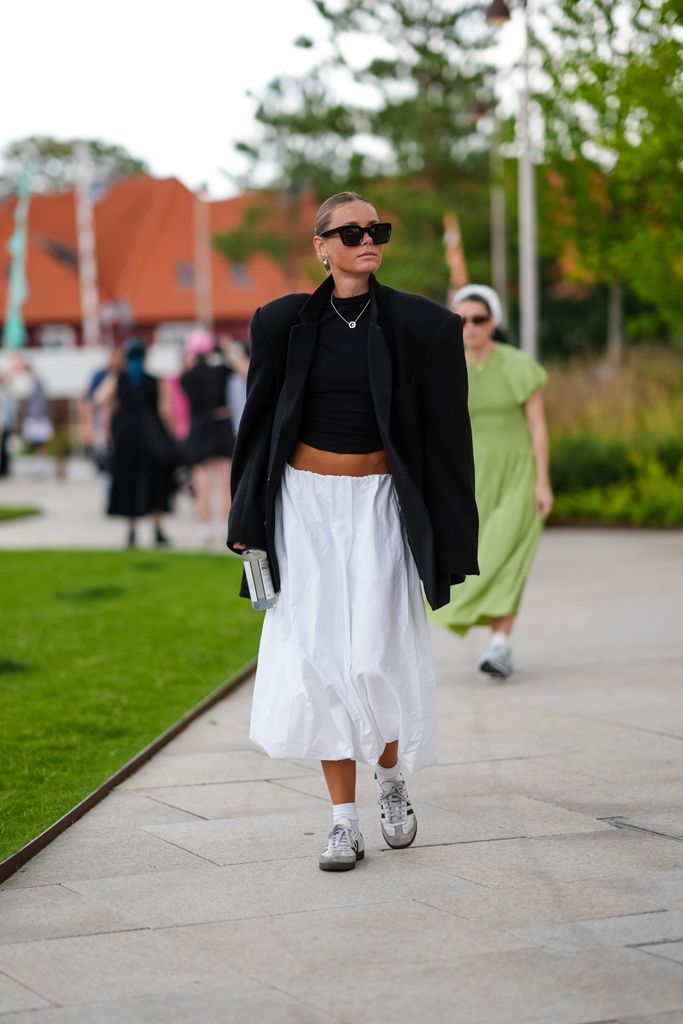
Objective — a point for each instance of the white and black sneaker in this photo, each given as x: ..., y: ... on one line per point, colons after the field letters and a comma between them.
x: 497, y: 660
x: 345, y: 847
x: 397, y: 817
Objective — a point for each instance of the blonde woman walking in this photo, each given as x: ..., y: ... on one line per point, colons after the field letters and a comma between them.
x: 353, y: 469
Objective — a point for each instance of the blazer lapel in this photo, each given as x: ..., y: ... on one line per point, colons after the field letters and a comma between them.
x: 379, y: 367
x: 302, y: 339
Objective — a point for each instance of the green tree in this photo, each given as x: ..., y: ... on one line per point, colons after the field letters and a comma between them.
x: 404, y: 131
x: 613, y: 116
x: 56, y: 163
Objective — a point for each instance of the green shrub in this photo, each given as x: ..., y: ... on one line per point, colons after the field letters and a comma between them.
x: 652, y: 497
x: 579, y: 463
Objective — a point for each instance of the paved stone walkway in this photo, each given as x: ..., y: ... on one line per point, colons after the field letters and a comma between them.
x: 545, y: 886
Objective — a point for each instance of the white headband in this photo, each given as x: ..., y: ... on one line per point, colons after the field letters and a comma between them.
x: 483, y: 291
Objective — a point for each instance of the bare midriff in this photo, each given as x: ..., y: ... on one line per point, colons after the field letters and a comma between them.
x: 314, y: 460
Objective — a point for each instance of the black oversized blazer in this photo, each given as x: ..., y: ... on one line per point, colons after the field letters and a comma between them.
x: 418, y: 380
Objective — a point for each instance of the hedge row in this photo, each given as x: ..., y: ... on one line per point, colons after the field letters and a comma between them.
x: 638, y: 481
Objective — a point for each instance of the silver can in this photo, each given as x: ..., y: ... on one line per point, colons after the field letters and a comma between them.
x: 259, y: 579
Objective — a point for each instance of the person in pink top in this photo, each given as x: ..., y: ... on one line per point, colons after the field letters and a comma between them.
x: 211, y: 439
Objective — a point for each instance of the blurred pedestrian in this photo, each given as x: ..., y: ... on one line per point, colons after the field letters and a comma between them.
x: 37, y: 428
x: 8, y: 416
x: 353, y: 470
x: 237, y: 357
x: 96, y: 417
x: 144, y: 455
x: 512, y: 477
x: 211, y: 439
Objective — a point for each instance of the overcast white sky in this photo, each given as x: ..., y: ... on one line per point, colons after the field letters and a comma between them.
x: 165, y: 79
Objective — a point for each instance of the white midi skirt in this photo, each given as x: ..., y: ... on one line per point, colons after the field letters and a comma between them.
x: 345, y: 664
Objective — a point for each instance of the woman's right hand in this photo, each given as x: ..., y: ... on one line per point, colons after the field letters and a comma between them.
x: 239, y: 547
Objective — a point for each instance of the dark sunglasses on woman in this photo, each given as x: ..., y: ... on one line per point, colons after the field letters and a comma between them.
x: 352, y: 234
x: 479, y: 319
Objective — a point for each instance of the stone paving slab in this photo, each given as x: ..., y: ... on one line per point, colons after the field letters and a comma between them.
x: 14, y: 996
x: 85, y: 853
x: 120, y: 964
x: 522, y: 816
x: 320, y: 940
x: 548, y: 901
x: 665, y: 949
x: 130, y: 809
x: 205, y: 768
x: 261, y: 889
x: 234, y: 799
x: 663, y: 927
x: 265, y: 1005
x: 531, y: 986
x: 240, y: 840
x: 676, y: 1017
x: 617, y: 853
x: 52, y: 911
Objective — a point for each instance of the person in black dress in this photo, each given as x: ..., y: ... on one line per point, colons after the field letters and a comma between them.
x: 141, y: 470
x: 211, y: 439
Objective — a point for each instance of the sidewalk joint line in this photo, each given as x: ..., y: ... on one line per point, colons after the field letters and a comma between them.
x: 618, y: 822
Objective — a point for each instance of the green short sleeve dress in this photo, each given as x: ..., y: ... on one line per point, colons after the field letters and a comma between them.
x: 505, y: 480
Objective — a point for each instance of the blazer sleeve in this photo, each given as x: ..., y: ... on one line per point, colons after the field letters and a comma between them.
x: 449, y: 460
x: 246, y: 524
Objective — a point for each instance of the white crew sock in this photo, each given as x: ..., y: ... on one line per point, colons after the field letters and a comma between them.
x: 347, y: 811
x: 500, y: 640
x: 388, y: 774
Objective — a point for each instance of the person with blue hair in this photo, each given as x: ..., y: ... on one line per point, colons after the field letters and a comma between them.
x: 143, y: 453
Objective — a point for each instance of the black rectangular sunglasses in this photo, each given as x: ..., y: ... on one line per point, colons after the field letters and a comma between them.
x: 352, y: 234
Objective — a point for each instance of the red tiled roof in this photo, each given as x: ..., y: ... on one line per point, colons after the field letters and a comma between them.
x: 144, y: 232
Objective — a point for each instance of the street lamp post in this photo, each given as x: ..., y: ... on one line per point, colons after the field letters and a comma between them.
x: 499, y: 275
x: 497, y: 13
x: 202, y: 259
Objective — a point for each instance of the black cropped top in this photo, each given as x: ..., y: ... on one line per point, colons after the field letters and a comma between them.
x: 339, y: 414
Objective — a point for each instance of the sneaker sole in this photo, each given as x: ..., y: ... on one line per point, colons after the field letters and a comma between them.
x: 340, y: 866
x: 401, y: 844
x: 492, y: 669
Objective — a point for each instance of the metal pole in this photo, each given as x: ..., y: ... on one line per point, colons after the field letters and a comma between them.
x: 87, y: 264
x: 528, y: 283
x: 498, y: 233
x: 202, y: 260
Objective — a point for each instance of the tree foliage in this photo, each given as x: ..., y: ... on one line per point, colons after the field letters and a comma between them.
x: 400, y: 126
x: 56, y: 164
x: 613, y: 116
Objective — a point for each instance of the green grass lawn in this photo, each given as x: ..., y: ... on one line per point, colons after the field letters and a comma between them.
x: 17, y: 511
x: 99, y: 653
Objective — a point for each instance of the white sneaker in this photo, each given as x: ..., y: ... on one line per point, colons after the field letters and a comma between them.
x: 204, y: 535
x: 397, y: 817
x: 345, y: 847
x: 497, y: 660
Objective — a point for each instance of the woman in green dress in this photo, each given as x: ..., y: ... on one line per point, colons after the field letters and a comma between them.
x: 513, y: 490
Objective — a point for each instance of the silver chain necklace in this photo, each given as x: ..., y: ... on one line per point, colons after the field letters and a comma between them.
x: 350, y: 323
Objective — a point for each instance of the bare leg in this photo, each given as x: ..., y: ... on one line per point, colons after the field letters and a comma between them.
x: 160, y: 538
x: 340, y: 777
x: 389, y: 755
x: 223, y: 476
x: 201, y: 484
x: 503, y: 625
